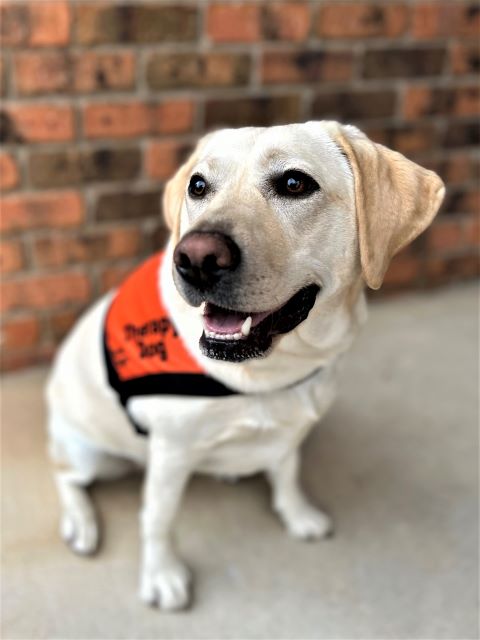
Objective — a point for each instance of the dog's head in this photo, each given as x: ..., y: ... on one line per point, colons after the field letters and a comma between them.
x: 268, y: 220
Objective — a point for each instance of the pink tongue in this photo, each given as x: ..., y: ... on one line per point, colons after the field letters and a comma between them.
x: 221, y: 320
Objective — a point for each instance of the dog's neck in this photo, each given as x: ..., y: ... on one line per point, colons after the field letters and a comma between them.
x: 316, y: 342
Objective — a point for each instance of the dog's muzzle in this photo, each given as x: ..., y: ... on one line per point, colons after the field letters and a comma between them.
x: 237, y: 336
x: 207, y: 263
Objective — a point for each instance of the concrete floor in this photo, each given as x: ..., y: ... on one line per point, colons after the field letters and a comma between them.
x: 395, y: 463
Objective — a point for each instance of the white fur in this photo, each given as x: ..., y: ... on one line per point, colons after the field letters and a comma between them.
x: 286, y: 393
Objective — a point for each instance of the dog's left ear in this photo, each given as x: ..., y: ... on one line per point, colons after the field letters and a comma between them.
x: 395, y: 200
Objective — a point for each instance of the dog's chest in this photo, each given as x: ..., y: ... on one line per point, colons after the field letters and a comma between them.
x: 245, y: 450
x: 237, y: 435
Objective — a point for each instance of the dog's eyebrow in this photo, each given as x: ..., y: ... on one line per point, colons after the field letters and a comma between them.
x: 272, y: 154
x: 209, y: 163
x: 283, y: 160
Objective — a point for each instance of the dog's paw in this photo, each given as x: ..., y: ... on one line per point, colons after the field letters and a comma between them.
x: 80, y: 531
x: 304, y: 522
x: 167, y: 587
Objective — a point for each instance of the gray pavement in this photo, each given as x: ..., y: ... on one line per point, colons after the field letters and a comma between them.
x: 395, y: 462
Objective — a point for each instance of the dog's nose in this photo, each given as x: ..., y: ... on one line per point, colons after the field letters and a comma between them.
x: 202, y: 258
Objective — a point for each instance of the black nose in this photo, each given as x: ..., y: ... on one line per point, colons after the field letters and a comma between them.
x: 202, y: 258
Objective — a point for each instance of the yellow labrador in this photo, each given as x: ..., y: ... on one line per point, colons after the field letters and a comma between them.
x: 274, y: 232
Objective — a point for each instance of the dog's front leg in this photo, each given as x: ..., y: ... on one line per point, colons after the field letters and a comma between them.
x: 164, y: 580
x: 301, y: 518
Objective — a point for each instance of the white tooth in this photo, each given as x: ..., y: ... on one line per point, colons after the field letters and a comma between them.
x: 246, y: 326
x: 237, y: 336
x: 202, y: 307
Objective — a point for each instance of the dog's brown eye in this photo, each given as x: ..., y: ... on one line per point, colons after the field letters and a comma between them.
x: 295, y: 184
x: 197, y: 186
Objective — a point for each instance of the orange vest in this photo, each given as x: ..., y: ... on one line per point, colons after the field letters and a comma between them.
x: 144, y: 354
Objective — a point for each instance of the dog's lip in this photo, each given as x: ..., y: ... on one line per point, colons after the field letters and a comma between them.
x: 224, y: 321
x: 256, y: 341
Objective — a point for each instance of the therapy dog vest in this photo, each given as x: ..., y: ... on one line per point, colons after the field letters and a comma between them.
x: 143, y: 352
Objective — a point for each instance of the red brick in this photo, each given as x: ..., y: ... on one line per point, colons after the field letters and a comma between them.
x: 113, y: 276
x: 120, y: 22
x: 409, y: 139
x: 463, y: 200
x: 164, y: 157
x: 255, y: 111
x: 286, y: 21
x: 401, y: 62
x: 36, y: 210
x: 445, y: 235
x: 28, y: 357
x: 404, y: 270
x: 457, y: 169
x: 49, y: 23
x: 61, y: 322
x: 476, y: 168
x: 20, y: 332
x: 179, y: 70
x: 122, y: 120
x: 354, y: 105
x: 44, y: 291
x: 9, y: 176
x: 175, y: 116
x: 156, y: 238
x: 128, y: 205
x: 306, y: 66
x: 466, y: 101
x: 233, y: 22
x: 94, y: 71
x: 425, y: 101
x: 37, y: 73
x: 443, y: 270
x: 3, y: 76
x: 361, y: 20
x: 14, y: 24
x: 416, y: 100
x: 445, y: 19
x: 465, y: 57
x: 472, y: 231
x: 72, y: 166
x: 462, y: 134
x: 12, y: 257
x: 59, y: 250
x: 413, y: 139
x: 37, y: 123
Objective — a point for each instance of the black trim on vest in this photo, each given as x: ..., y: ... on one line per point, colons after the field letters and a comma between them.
x: 178, y: 384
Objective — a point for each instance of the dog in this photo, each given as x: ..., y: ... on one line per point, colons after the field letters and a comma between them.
x: 219, y: 354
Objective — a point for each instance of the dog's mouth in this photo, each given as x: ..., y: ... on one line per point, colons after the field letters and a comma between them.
x: 236, y: 336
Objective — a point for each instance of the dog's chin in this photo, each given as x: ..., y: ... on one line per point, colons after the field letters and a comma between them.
x: 236, y: 336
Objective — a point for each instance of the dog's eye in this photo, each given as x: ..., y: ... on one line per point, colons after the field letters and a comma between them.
x: 295, y: 184
x: 197, y: 186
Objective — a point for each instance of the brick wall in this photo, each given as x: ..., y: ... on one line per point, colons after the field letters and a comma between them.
x: 101, y: 101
